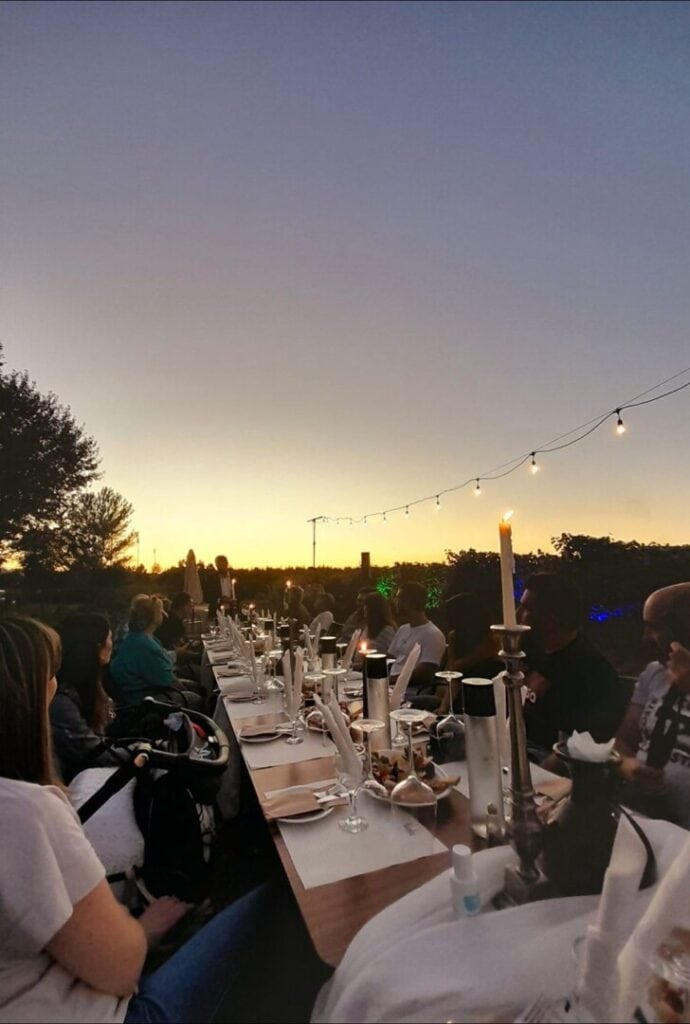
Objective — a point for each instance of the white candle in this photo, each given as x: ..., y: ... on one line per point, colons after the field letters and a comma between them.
x: 507, y: 569
x: 232, y: 589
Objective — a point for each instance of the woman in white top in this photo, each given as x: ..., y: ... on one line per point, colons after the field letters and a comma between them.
x: 68, y: 950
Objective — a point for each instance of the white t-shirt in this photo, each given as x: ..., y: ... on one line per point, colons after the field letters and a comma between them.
x: 428, y: 636
x: 47, y: 865
x: 650, y: 690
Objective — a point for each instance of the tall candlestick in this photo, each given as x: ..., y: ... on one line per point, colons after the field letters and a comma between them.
x: 507, y: 569
x: 232, y: 589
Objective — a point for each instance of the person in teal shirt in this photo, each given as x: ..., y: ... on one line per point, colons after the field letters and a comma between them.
x: 142, y: 667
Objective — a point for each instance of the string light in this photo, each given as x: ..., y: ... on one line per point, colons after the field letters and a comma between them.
x: 564, y: 440
x: 365, y: 521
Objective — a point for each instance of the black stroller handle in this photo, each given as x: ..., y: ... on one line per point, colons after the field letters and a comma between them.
x: 167, y: 758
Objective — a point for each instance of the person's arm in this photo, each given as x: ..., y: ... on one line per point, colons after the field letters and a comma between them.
x: 76, y: 744
x: 101, y: 944
x: 629, y: 734
x: 160, y: 672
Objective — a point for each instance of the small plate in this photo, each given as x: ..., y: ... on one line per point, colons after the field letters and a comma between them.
x: 239, y: 700
x: 269, y: 738
x: 306, y: 819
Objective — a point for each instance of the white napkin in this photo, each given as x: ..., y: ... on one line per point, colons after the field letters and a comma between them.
x: 670, y: 908
x: 242, y: 687
x: 598, y: 973
x: 403, y: 679
x: 317, y: 634
x: 502, y: 726
x: 340, y: 734
x: 582, y: 747
x: 308, y: 644
x: 351, y: 647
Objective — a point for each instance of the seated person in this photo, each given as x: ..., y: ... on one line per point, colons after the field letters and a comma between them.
x: 570, y: 685
x: 172, y: 633
x: 416, y: 629
x: 379, y: 625
x: 79, y: 711
x: 68, y: 950
x: 142, y: 667
x: 356, y: 619
x: 472, y: 647
x: 654, y: 738
x: 324, y: 607
x: 296, y: 609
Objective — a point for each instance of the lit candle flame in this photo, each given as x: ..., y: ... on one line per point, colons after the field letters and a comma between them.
x: 507, y: 515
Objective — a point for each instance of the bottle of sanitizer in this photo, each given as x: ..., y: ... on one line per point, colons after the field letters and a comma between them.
x: 464, y: 887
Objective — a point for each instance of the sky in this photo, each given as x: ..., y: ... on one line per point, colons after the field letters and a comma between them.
x: 286, y: 260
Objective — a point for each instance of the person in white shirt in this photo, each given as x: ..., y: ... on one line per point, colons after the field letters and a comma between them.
x: 417, y: 629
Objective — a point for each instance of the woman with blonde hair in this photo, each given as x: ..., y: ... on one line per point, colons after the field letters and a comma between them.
x: 142, y: 667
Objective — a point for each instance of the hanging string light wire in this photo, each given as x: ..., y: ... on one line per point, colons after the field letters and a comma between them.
x: 582, y: 431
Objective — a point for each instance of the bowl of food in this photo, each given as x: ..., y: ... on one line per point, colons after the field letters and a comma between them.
x: 389, y: 767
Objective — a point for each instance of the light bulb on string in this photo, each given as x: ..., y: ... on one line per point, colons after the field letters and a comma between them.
x: 407, y: 511
x: 620, y: 425
x: 365, y: 521
x: 384, y: 518
x: 477, y: 490
x: 534, y: 468
x: 438, y: 503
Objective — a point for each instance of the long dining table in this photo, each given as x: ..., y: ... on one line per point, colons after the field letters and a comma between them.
x: 334, y: 912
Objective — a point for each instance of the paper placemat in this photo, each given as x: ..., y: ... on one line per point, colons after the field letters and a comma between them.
x: 322, y: 853
x: 237, y: 710
x: 267, y: 755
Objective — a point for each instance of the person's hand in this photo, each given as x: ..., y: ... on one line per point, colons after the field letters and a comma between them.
x: 678, y: 666
x: 162, y: 915
x: 632, y: 770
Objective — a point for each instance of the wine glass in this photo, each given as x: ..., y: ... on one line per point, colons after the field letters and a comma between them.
x: 412, y: 790
x: 273, y: 684
x: 340, y: 647
x: 449, y: 724
x: 367, y: 727
x: 351, y: 776
x: 293, y: 713
x: 335, y: 674
x: 259, y: 694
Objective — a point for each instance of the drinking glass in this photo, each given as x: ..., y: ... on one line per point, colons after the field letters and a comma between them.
x: 259, y: 694
x: 451, y: 723
x: 368, y: 726
x: 412, y: 790
x: 335, y: 674
x: 341, y: 647
x: 295, y: 722
x: 351, y: 780
x: 273, y: 684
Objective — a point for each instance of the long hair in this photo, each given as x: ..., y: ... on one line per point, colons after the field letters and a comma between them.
x: 469, y: 621
x: 82, y: 638
x: 377, y: 614
x: 29, y: 658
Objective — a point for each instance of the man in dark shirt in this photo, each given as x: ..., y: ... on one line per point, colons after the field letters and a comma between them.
x: 570, y: 685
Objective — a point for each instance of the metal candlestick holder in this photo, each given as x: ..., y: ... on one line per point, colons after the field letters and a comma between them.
x: 524, y: 883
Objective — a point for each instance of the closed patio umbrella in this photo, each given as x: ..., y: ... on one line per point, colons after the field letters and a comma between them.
x: 192, y: 583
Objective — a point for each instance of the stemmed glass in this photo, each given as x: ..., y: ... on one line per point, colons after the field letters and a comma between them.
x: 341, y: 647
x: 411, y: 790
x: 335, y: 674
x: 351, y: 775
x: 273, y: 684
x: 259, y: 695
x: 293, y: 736
x: 450, y: 723
x: 367, y: 727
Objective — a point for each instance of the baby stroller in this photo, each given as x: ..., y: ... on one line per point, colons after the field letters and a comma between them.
x: 156, y: 832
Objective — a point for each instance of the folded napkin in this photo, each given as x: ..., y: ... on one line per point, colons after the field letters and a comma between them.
x: 340, y: 734
x: 302, y: 801
x: 597, y: 982
x: 259, y: 730
x: 293, y: 682
x: 317, y: 635
x: 403, y: 679
x: 582, y: 747
x: 308, y: 644
x: 669, y: 909
x: 351, y: 648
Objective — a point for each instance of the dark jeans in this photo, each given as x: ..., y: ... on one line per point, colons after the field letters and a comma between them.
x: 221, y: 974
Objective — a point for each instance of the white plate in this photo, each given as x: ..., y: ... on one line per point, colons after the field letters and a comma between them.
x: 306, y: 819
x: 261, y: 739
x: 239, y: 700
x: 440, y: 774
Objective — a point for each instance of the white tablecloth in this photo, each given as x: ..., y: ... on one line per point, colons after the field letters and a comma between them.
x: 416, y: 962
x: 266, y: 755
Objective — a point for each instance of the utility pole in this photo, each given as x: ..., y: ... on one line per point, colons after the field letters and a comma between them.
x: 313, y: 522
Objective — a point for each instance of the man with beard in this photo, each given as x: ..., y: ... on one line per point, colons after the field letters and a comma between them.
x: 570, y: 685
x: 654, y: 739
